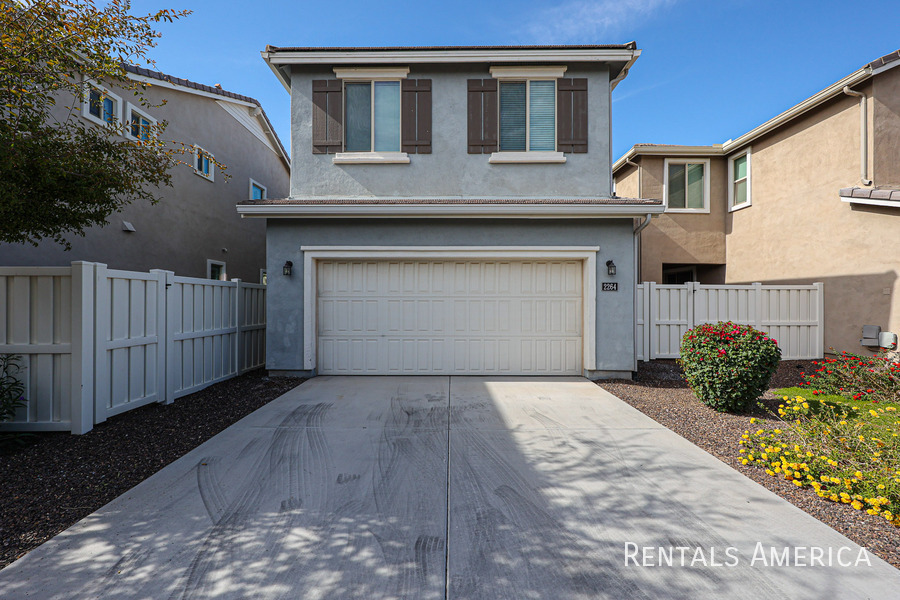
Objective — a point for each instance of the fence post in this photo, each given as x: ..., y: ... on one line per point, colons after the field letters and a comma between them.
x: 820, y: 319
x: 758, y: 305
x: 81, y: 391
x: 691, y: 321
x: 172, y: 320
x: 238, y: 308
x: 102, y: 310
x: 162, y: 349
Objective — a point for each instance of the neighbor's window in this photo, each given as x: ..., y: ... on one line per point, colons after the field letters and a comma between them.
x: 687, y: 185
x: 257, y: 191
x: 739, y: 178
x: 101, y: 106
x: 204, y: 165
x: 215, y: 269
x: 139, y: 124
x: 372, y: 111
x: 528, y: 115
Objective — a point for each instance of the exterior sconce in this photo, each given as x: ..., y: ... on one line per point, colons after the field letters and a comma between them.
x: 286, y: 269
x: 611, y: 268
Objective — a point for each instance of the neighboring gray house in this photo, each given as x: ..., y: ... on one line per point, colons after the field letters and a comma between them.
x: 451, y: 212
x: 193, y: 230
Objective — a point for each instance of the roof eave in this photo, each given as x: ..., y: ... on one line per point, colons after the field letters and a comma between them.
x: 664, y: 150
x: 448, y: 211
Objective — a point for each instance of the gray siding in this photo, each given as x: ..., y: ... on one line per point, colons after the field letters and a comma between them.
x: 449, y: 170
x: 615, y: 310
x: 196, y: 218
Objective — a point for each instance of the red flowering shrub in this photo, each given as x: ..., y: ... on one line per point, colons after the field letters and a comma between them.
x: 872, y: 378
x: 727, y: 365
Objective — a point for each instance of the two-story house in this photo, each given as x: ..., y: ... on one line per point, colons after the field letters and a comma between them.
x: 451, y: 212
x: 813, y: 194
x: 193, y: 230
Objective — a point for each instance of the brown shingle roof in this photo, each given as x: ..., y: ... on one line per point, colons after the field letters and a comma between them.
x: 189, y: 84
x: 444, y: 201
x: 871, y: 194
x: 887, y: 58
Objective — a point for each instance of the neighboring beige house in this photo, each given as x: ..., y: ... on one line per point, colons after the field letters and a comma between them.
x: 810, y: 195
x: 194, y: 230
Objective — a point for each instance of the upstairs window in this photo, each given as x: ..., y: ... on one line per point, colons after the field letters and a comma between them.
x: 257, y: 191
x: 140, y: 124
x: 102, y: 106
x: 372, y: 116
x: 686, y: 185
x: 528, y: 116
x: 739, y: 181
x: 204, y: 164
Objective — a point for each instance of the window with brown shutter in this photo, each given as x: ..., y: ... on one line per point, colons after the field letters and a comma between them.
x: 328, y: 117
x: 482, y: 116
x: 415, y: 121
x: 572, y: 116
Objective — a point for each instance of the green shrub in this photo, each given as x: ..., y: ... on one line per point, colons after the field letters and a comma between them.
x: 871, y: 378
x: 11, y: 388
x: 727, y: 365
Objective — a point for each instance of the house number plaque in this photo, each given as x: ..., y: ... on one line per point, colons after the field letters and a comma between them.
x: 609, y: 286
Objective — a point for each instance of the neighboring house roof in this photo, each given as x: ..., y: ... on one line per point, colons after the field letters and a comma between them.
x: 286, y: 207
x: 879, y: 65
x: 873, y: 196
x: 200, y: 89
x: 620, y: 57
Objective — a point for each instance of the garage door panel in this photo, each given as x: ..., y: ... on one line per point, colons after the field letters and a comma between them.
x: 463, y: 317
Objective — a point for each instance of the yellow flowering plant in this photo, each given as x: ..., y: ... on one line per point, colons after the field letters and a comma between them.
x: 843, y: 453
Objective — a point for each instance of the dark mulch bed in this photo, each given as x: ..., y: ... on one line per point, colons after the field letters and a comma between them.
x: 659, y: 392
x: 59, y: 478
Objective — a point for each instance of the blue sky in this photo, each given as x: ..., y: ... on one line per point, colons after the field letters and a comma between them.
x: 710, y: 70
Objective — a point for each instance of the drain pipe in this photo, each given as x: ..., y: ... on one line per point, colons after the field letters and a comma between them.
x: 637, y: 268
x: 640, y: 175
x: 863, y: 135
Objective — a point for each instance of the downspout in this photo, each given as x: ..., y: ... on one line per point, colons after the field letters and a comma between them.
x: 637, y: 277
x: 863, y: 135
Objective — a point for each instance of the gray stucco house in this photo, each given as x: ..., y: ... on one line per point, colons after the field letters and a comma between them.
x: 451, y: 212
x: 193, y: 230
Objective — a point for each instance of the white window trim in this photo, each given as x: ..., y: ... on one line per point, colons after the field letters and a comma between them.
x: 86, y: 104
x: 749, y: 202
x: 259, y: 185
x: 209, y: 263
x: 371, y: 74
x: 313, y: 254
x: 212, y: 165
x: 371, y: 157
x: 546, y: 153
x: 543, y: 72
x: 706, y: 177
x: 129, y: 108
x: 533, y: 156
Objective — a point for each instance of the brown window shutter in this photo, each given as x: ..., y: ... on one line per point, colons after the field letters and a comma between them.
x: 328, y: 116
x: 482, y: 117
x: 415, y: 120
x: 572, y: 116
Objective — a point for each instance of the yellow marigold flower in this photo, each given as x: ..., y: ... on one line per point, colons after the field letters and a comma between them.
x: 843, y: 422
x: 880, y: 486
x: 833, y: 497
x: 873, y: 413
x: 753, y: 420
x: 805, y: 405
x: 769, y: 472
x: 888, y: 515
x: 745, y: 461
x: 798, y: 483
x: 858, y: 475
x: 777, y: 431
x: 856, y: 504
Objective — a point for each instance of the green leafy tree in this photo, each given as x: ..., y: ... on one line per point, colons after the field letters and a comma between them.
x: 58, y: 174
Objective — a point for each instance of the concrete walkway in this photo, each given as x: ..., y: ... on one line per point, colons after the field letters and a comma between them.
x: 553, y: 488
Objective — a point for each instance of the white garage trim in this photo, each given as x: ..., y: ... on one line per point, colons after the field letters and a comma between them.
x: 313, y: 254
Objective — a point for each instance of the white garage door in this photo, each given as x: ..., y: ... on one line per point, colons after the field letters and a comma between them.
x: 441, y: 317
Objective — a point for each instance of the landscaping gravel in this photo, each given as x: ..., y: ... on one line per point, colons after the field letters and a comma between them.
x: 60, y: 478
x: 660, y: 392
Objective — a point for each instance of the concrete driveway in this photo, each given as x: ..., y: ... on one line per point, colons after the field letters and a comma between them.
x: 448, y: 487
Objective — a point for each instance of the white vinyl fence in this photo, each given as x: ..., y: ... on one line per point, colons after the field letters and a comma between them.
x: 793, y: 315
x: 96, y: 342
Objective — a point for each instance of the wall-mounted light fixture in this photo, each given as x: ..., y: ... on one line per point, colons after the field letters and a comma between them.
x: 286, y: 269
x: 611, y: 268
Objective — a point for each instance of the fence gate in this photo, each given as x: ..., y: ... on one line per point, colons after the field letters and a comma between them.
x: 793, y: 315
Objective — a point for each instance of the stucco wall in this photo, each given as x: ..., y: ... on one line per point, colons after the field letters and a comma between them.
x: 678, y: 238
x: 449, y: 170
x: 195, y: 219
x: 615, y: 310
x: 798, y: 230
x: 886, y: 128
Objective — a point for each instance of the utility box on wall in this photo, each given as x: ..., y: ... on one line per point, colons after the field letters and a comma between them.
x: 873, y: 337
